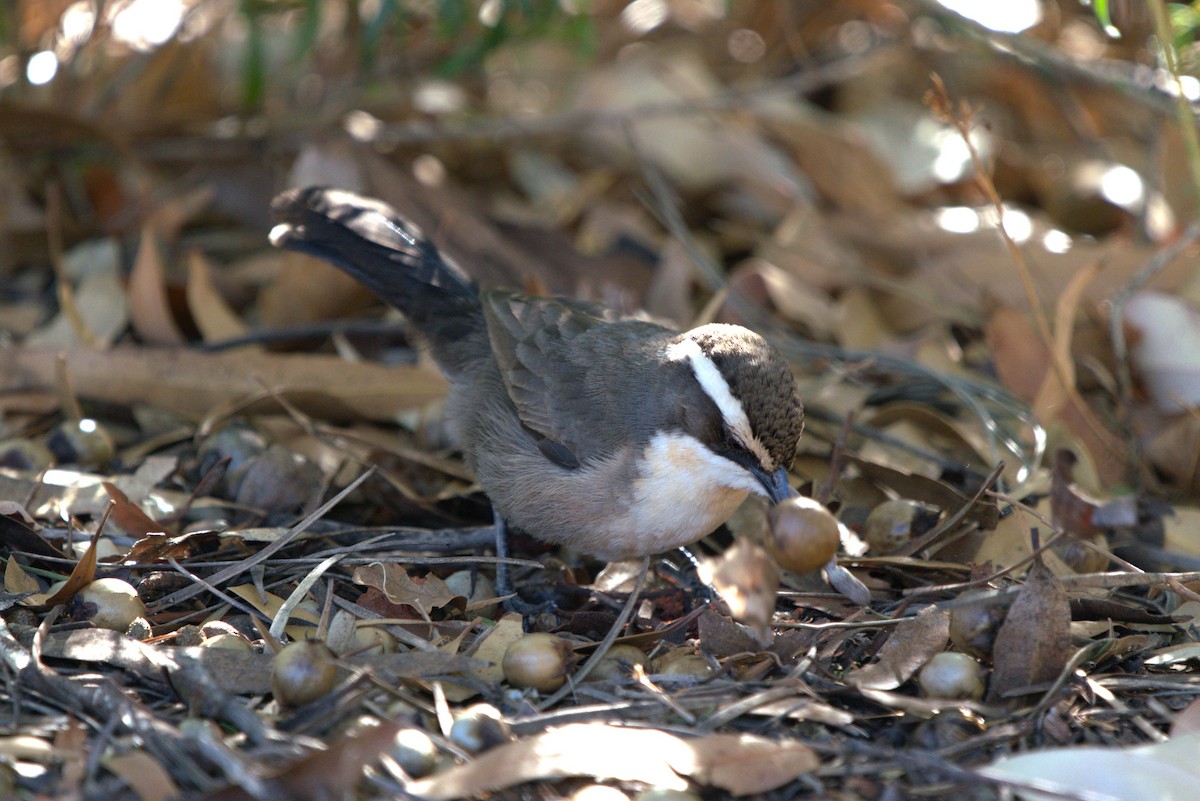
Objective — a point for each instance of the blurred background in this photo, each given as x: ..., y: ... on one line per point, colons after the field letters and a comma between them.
x: 844, y: 167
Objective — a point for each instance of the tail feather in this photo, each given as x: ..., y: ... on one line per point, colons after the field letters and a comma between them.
x: 390, y: 256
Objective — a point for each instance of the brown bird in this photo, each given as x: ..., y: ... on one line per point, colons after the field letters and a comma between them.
x: 619, y: 438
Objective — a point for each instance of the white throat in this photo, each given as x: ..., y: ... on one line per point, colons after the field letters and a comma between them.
x: 684, y: 491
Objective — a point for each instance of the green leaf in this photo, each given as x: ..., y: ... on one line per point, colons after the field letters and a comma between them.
x: 254, y: 69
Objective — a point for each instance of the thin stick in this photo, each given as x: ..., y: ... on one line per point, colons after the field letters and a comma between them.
x: 605, y: 644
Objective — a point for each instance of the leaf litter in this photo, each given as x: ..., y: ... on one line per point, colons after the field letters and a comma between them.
x: 273, y: 464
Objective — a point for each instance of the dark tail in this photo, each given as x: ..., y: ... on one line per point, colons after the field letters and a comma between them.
x: 392, y: 257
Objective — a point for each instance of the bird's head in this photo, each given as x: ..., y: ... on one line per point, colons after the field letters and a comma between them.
x: 741, y: 402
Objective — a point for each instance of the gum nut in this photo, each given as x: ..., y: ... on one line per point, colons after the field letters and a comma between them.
x: 538, y: 661
x: 83, y: 442
x: 461, y: 582
x: 110, y: 603
x: 618, y: 663
x: 25, y: 454
x: 973, y: 626
x: 681, y: 662
x: 302, y: 672
x: 414, y: 751
x: 802, y: 535
x: 893, y: 523
x: 228, y: 642
x: 953, y: 676
x: 479, y: 728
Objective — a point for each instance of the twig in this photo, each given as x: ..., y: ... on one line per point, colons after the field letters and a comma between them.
x: 614, y: 631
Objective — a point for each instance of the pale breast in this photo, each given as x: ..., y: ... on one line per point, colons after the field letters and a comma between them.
x: 684, y: 491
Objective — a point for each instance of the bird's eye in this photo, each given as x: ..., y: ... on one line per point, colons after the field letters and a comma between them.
x: 732, y: 440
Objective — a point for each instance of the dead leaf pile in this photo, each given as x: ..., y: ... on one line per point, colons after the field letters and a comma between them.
x: 972, y: 245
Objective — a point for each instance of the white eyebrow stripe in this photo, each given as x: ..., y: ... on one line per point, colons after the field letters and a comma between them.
x: 717, y: 388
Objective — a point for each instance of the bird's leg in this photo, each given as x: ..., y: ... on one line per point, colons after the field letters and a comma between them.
x: 688, y: 576
x: 504, y: 582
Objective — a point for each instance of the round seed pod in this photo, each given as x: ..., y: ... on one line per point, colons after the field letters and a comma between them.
x: 276, y: 480
x: 109, y: 603
x: 893, y: 523
x: 974, y: 624
x: 474, y: 586
x: 83, y: 442
x: 25, y: 454
x: 802, y: 535
x: 538, y: 661
x: 478, y: 728
x: 302, y: 672
x: 414, y: 751
x: 951, y: 675
x: 617, y: 663
x: 229, y: 642
x: 682, y: 662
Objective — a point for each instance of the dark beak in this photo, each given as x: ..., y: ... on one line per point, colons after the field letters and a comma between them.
x: 776, y: 484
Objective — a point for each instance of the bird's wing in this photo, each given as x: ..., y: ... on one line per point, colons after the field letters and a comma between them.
x: 558, y: 359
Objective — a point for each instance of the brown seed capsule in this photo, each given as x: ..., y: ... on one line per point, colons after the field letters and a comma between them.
x: 479, y: 728
x: 414, y: 751
x: 25, y: 454
x: 303, y: 672
x: 617, y: 663
x: 974, y: 623
x: 802, y: 535
x: 228, y: 642
x: 475, y: 587
x: 277, y: 480
x: 682, y: 662
x: 893, y: 523
x: 538, y: 661
x: 82, y: 442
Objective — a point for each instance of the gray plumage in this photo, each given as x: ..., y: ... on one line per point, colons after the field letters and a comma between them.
x: 556, y: 408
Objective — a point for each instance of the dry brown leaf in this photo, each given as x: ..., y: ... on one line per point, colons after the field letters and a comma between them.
x: 605, y: 752
x: 507, y: 630
x: 833, y: 154
x: 908, y: 647
x: 170, y: 215
x: 144, y: 774
x: 269, y: 604
x: 858, y: 323
x: 193, y: 384
x: 129, y: 516
x: 745, y: 764
x: 307, y: 289
x: 1023, y: 364
x: 16, y: 580
x: 747, y: 579
x: 81, y: 575
x: 14, y: 531
x: 149, y: 307
x: 1019, y: 354
x: 327, y: 774
x: 1054, y: 394
x: 720, y: 637
x: 211, y: 313
x: 1034, y: 642
x: 697, y: 153
x: 423, y: 594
